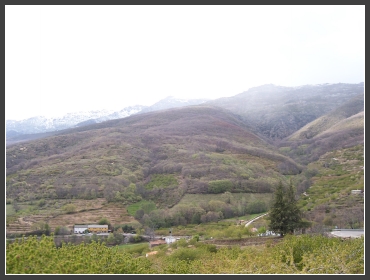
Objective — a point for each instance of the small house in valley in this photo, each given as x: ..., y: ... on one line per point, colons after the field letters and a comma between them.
x: 91, y: 228
x: 80, y: 228
x: 169, y: 239
x: 98, y: 228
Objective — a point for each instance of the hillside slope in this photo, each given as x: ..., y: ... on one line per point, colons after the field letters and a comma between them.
x: 337, y: 119
x: 157, y: 155
x: 340, y: 128
x: 276, y: 112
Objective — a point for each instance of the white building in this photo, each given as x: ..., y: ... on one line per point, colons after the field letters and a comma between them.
x: 169, y: 239
x: 80, y: 228
x: 91, y: 228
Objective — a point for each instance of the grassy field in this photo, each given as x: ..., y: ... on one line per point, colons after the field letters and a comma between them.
x: 136, y: 249
x: 132, y: 208
x: 10, y: 210
x: 131, y: 246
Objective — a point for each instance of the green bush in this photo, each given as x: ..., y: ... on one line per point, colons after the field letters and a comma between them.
x: 138, y: 238
x: 33, y: 256
x: 192, y: 241
x: 136, y: 249
x: 303, y: 254
x: 162, y: 181
x: 220, y: 186
x: 256, y: 207
x: 104, y: 221
x: 60, y: 230
x: 69, y: 208
x: 182, y: 243
x: 41, y: 202
x: 187, y: 254
x: 207, y: 247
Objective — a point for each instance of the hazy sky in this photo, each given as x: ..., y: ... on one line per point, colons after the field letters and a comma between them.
x: 61, y: 59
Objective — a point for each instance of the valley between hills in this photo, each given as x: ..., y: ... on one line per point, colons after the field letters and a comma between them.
x: 220, y: 160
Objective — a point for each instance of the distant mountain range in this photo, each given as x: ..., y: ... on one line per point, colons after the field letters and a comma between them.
x: 40, y: 124
x: 270, y: 111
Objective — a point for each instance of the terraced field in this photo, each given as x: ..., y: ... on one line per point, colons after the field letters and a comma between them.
x: 86, y: 213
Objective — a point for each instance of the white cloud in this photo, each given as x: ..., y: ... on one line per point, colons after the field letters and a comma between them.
x: 69, y: 58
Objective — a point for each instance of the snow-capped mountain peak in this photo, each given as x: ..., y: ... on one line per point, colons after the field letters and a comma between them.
x: 40, y: 124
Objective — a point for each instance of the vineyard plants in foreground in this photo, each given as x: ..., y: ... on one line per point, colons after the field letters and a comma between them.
x: 302, y: 254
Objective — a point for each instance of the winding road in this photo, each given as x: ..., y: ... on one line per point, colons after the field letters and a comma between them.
x: 251, y: 221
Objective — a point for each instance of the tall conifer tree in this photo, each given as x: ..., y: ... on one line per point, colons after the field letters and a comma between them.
x: 294, y: 213
x: 284, y: 216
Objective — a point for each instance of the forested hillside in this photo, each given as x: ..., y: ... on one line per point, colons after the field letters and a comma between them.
x: 192, y: 150
x: 162, y: 157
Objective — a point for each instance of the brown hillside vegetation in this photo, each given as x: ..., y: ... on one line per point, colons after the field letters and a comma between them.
x: 338, y: 129
x: 346, y: 133
x: 340, y: 118
x: 158, y: 155
x: 167, y: 157
x: 356, y: 121
x: 275, y: 112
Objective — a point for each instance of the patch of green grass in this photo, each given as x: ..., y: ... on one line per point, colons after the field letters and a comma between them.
x: 162, y: 181
x: 10, y: 210
x: 131, y: 209
x: 137, y: 249
x: 129, y: 246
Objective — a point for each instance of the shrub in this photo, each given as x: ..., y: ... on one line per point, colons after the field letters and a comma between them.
x: 186, y: 254
x: 128, y: 228
x: 162, y: 181
x: 192, y: 241
x: 60, y: 230
x: 138, y: 249
x: 69, y: 208
x: 220, y: 186
x: 256, y: 207
x: 104, y: 221
x: 182, y: 243
x: 138, y: 238
x: 41, y: 202
x: 207, y: 247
